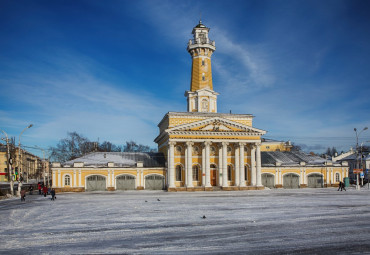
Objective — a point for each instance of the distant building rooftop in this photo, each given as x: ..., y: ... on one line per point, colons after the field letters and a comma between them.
x: 119, y: 159
x: 290, y: 158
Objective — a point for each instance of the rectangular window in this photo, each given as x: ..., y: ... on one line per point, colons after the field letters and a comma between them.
x: 228, y: 173
x: 195, y: 173
x: 337, y: 179
x: 178, y: 173
x: 203, y: 63
x: 67, y: 180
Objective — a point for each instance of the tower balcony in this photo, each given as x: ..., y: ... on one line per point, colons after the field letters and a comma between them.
x: 198, y: 44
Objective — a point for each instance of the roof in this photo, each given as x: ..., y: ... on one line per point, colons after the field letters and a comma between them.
x: 120, y: 159
x: 290, y: 158
x: 200, y: 25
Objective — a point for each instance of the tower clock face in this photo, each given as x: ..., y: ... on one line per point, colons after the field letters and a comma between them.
x: 202, y: 37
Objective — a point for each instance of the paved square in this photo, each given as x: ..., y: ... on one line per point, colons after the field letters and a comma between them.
x: 304, y: 221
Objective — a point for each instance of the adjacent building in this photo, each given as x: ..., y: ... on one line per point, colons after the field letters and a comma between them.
x: 24, y: 164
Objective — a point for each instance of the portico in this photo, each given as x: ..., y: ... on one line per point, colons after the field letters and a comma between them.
x: 235, y: 166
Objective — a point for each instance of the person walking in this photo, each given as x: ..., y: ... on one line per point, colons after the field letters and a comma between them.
x: 30, y: 190
x: 343, y: 186
x: 52, y: 192
x: 340, y: 186
x: 23, y: 195
x: 45, y: 190
x: 39, y: 188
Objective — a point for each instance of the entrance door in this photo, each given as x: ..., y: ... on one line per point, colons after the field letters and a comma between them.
x: 95, y: 183
x: 154, y: 182
x: 268, y: 180
x: 125, y: 182
x: 315, y: 181
x: 291, y: 181
x: 213, y: 175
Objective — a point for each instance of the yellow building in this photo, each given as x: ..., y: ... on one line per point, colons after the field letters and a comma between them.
x: 110, y: 171
x: 201, y: 149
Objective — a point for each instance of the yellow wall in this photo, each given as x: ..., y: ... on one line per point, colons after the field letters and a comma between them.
x: 85, y: 172
x: 197, y: 71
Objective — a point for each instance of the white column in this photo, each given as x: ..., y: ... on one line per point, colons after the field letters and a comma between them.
x: 113, y: 178
x: 171, y: 163
x: 220, y: 172
x: 208, y: 172
x: 203, y: 165
x: 54, y: 180
x: 142, y: 178
x: 59, y: 179
x: 109, y: 179
x: 237, y: 166
x: 224, y: 165
x: 79, y: 178
x: 186, y: 167
x: 189, y: 164
x: 253, y: 165
x: 74, y: 178
x: 241, y: 162
x: 258, y: 167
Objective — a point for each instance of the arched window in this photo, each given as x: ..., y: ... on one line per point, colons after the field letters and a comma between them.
x: 195, y: 173
x: 245, y: 173
x: 229, y: 173
x: 178, y: 173
x: 196, y: 150
x: 213, y: 150
x: 229, y: 150
x: 337, y: 177
x: 67, y: 180
x: 178, y: 149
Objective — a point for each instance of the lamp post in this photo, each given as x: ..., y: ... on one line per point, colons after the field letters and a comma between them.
x: 357, y: 162
x: 20, y: 161
x: 9, y: 165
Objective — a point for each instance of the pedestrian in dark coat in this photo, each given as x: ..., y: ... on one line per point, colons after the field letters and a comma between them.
x: 30, y: 190
x: 45, y: 190
x: 23, y: 195
x: 52, y: 192
x: 340, y: 187
x: 343, y: 186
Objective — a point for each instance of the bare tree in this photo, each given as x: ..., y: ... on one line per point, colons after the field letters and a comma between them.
x: 76, y: 145
x: 132, y: 146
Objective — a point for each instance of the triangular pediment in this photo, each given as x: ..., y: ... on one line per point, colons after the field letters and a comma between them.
x: 216, y: 124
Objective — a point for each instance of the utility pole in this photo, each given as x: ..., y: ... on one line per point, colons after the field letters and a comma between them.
x: 357, y: 162
x: 9, y: 164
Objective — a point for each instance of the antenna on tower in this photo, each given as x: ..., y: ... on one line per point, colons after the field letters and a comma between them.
x: 200, y: 18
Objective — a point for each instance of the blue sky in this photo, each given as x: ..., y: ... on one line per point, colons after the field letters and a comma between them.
x: 111, y: 69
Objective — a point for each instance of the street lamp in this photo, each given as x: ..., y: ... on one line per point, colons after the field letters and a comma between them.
x: 9, y: 165
x: 20, y: 159
x: 357, y: 162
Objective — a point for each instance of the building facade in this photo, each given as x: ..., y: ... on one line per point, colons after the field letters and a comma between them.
x: 100, y: 171
x: 25, y: 164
